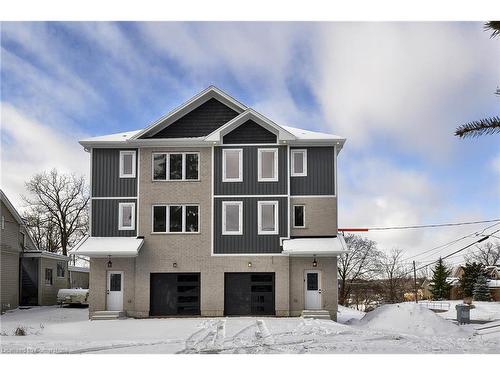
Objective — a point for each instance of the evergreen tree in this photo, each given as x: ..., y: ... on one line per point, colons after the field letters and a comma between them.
x: 469, y: 277
x: 481, y: 290
x: 439, y: 287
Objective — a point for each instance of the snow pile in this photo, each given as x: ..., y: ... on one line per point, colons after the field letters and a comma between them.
x: 409, y: 318
x: 347, y: 315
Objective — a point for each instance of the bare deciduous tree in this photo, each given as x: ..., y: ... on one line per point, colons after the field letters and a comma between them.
x: 394, y: 276
x: 487, y: 254
x: 359, y: 263
x: 57, y: 209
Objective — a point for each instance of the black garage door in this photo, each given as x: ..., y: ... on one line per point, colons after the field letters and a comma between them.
x: 174, y: 294
x: 248, y: 293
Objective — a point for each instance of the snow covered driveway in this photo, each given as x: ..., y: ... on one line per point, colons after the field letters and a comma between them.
x: 68, y: 330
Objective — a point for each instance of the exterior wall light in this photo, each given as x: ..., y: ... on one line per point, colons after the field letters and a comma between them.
x: 249, y: 264
x: 110, y: 263
x: 174, y: 265
x: 315, y: 263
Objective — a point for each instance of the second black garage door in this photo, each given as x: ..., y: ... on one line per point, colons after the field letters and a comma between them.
x: 247, y: 293
x: 174, y: 294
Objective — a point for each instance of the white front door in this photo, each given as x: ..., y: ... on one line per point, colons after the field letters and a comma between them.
x: 114, y: 300
x: 312, y: 288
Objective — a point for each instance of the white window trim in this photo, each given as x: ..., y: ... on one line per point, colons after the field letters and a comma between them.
x: 304, y: 161
x: 259, y: 217
x: 134, y: 155
x: 120, y: 215
x: 259, y: 164
x: 304, y: 215
x: 240, y: 159
x: 240, y: 214
x: 167, y: 218
x: 167, y: 166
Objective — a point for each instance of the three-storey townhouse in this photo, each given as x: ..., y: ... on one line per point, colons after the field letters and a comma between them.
x: 213, y: 210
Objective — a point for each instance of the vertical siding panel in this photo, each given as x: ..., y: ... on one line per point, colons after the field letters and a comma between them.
x: 105, y: 218
x: 106, y: 181
x: 250, y: 241
x: 320, y: 179
x: 250, y: 184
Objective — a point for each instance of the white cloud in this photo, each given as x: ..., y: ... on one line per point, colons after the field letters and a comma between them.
x: 374, y: 192
x: 414, y: 82
x: 29, y: 147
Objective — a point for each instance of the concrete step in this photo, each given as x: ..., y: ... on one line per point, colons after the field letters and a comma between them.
x: 316, y: 314
x: 107, y: 315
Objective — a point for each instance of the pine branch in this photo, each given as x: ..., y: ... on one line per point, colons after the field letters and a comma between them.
x: 494, y: 27
x: 478, y: 128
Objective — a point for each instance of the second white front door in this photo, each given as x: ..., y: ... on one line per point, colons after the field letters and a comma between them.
x: 114, y: 290
x: 312, y: 287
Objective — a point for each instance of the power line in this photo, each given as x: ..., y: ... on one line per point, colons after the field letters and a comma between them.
x: 459, y: 250
x: 418, y: 226
x: 441, y: 247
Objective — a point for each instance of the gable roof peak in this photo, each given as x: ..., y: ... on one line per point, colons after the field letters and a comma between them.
x: 197, y: 100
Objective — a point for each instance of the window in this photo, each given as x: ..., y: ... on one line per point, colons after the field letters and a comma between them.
x: 176, y: 218
x: 267, y: 217
x: 60, y: 269
x: 48, y: 276
x: 178, y: 166
x: 232, y: 218
x: 22, y: 240
x: 127, y: 164
x: 232, y: 165
x: 299, y: 216
x: 159, y: 219
x: 192, y: 219
x: 126, y: 216
x: 268, y: 164
x: 191, y: 166
x: 299, y: 162
x: 159, y: 166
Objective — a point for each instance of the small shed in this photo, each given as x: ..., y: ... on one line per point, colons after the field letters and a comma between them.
x: 42, y: 275
x: 78, y: 277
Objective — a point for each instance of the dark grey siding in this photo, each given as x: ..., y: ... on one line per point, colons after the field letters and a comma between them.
x: 105, y: 218
x: 250, y: 184
x: 249, y: 132
x: 201, y: 121
x: 106, y: 181
x: 249, y: 242
x: 320, y: 179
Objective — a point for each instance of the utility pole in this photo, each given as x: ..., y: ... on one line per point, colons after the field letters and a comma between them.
x: 415, y: 281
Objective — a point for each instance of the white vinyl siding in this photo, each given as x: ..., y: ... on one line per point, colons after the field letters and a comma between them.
x: 232, y: 218
x: 127, y: 164
x: 267, y: 161
x: 299, y: 163
x: 126, y: 216
x: 267, y: 216
x: 232, y: 165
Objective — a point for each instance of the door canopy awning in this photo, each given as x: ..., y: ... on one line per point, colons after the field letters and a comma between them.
x: 315, y: 247
x: 103, y: 247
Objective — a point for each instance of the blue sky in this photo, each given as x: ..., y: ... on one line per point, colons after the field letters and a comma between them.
x: 396, y: 91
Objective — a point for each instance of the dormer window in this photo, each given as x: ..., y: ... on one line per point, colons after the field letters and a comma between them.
x: 299, y: 163
x: 268, y: 164
x: 127, y: 164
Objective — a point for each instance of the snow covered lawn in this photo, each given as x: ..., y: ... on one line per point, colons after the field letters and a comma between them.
x: 403, y: 328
